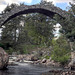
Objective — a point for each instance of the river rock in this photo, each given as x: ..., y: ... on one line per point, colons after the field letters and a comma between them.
x: 34, y: 58
x: 44, y: 60
x: 28, y: 57
x: 72, y: 64
x: 3, y: 58
x: 37, y: 62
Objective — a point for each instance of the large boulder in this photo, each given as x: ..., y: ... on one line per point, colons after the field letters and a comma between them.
x: 4, y: 58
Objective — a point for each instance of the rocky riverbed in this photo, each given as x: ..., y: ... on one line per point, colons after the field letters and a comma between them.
x: 59, y: 73
x: 16, y: 60
x: 32, y: 59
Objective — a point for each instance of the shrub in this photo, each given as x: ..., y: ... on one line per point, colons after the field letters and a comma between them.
x: 61, y: 50
x: 10, y: 50
x: 47, y: 57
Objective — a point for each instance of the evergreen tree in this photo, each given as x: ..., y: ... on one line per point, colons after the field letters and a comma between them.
x: 61, y: 50
x: 68, y: 25
x: 40, y: 28
x: 30, y: 29
x: 9, y: 32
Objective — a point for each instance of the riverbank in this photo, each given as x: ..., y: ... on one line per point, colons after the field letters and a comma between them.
x: 60, y: 72
x: 52, y: 69
x: 32, y: 60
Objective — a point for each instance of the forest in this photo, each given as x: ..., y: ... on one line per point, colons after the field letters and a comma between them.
x: 28, y: 32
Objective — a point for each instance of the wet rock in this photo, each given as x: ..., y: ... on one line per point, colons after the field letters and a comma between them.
x: 44, y: 60
x: 37, y: 62
x: 28, y: 57
x: 68, y: 73
x: 71, y: 65
x: 34, y: 58
x: 4, y: 58
x: 55, y: 71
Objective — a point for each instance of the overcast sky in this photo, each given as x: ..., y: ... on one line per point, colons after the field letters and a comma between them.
x: 60, y: 3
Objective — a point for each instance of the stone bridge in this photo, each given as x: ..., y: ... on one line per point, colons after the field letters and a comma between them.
x: 48, y: 10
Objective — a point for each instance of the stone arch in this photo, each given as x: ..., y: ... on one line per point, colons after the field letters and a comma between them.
x: 48, y: 10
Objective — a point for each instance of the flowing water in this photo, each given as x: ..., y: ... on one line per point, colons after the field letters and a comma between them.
x: 27, y: 69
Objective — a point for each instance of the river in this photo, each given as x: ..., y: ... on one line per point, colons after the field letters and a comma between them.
x: 27, y: 69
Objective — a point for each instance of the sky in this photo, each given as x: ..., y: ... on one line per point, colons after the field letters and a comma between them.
x: 59, y: 3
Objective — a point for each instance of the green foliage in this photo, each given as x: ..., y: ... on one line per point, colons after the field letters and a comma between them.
x: 25, y: 49
x: 47, y: 57
x: 61, y: 50
x: 10, y: 50
x: 39, y: 28
x: 32, y: 30
x: 68, y: 24
x: 1, y: 45
x: 9, y: 7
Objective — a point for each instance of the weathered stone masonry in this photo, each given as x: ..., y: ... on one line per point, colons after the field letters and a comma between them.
x: 48, y: 10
